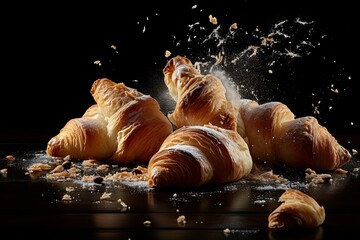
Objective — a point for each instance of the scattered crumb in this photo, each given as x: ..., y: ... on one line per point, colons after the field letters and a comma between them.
x: 137, y: 174
x: 69, y: 189
x: 316, y: 178
x: 97, y: 62
x: 105, y: 196
x: 38, y: 167
x: 341, y: 171
x: 219, y: 58
x: 67, y: 197
x: 167, y: 53
x: 66, y: 174
x: 87, y: 178
x: 123, y: 204
x: 227, y: 231
x: 265, y: 41
x: 212, y: 19
x: 4, y: 171
x: 10, y: 157
x: 181, y: 220
x: 147, y: 223
x: 233, y: 26
x: 103, y: 167
x: 90, y: 163
x: 57, y: 169
x: 267, y: 176
x: 354, y: 152
x: 233, y: 61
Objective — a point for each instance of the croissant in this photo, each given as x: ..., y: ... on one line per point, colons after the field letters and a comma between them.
x: 297, y: 210
x: 123, y: 126
x: 199, y: 99
x: 196, y: 155
x: 275, y: 136
x: 271, y: 130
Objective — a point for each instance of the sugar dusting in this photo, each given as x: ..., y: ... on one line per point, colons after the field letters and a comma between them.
x: 264, y: 63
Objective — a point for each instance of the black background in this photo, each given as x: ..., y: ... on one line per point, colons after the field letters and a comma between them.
x: 48, y: 52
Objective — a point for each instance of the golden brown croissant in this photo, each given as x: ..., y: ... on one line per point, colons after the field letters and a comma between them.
x: 123, y: 126
x: 196, y: 155
x: 275, y: 136
x: 271, y: 130
x: 200, y: 99
x: 297, y: 210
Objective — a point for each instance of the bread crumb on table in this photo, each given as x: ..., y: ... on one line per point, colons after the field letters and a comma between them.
x: 147, y: 223
x: 105, y: 196
x: 67, y: 197
x: 227, y: 231
x: 181, y: 220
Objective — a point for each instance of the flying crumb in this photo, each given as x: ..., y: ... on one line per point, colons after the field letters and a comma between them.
x: 97, y: 62
x: 265, y: 41
x: 167, y: 53
x: 10, y: 157
x: 212, y: 19
x: 233, y: 26
x: 219, y: 58
x: 354, y: 152
x: 334, y: 90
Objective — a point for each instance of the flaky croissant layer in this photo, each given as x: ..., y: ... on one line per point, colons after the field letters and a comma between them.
x: 197, y: 155
x: 275, y: 136
x: 297, y: 210
x: 200, y: 99
x: 123, y: 126
x: 271, y: 130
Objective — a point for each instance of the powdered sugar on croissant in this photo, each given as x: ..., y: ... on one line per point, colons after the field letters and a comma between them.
x: 271, y: 130
x: 200, y: 99
x: 123, y: 126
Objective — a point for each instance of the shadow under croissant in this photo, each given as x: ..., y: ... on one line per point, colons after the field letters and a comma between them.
x: 303, y: 234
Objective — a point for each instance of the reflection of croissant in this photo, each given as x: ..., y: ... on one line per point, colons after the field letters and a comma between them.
x: 199, y: 99
x: 124, y: 126
x: 274, y: 135
x: 297, y: 210
x: 270, y: 129
x: 196, y: 155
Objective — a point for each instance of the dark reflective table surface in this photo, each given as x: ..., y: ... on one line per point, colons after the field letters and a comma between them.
x: 32, y: 205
